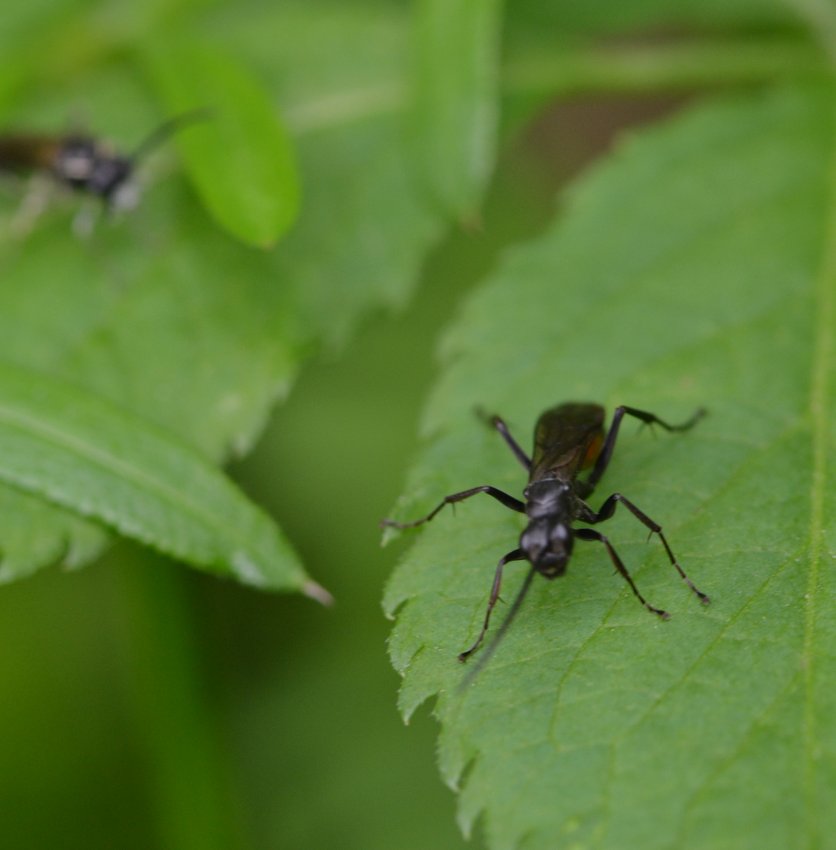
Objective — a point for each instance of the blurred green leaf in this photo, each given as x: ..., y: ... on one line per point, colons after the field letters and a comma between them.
x: 83, y: 453
x: 454, y: 120
x: 170, y: 318
x: 163, y: 315
x: 696, y: 267
x: 68, y: 539
x: 240, y: 159
x: 365, y: 227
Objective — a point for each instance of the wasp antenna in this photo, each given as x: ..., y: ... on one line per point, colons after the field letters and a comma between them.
x: 485, y: 657
x: 168, y: 128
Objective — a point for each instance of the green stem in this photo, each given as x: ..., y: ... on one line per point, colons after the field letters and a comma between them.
x: 190, y: 787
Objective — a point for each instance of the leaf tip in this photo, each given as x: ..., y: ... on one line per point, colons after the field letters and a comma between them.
x: 389, y: 532
x: 318, y: 593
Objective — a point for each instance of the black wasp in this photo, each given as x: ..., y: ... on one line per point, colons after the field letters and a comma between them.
x: 567, y: 439
x: 87, y: 164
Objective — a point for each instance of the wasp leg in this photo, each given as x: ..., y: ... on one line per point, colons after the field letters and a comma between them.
x: 608, y: 509
x: 592, y: 534
x: 516, y: 555
x: 39, y: 192
x: 499, y: 495
x: 499, y: 423
x: 649, y: 419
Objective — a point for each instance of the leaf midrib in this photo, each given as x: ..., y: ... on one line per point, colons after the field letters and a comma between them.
x: 108, y: 462
x: 825, y: 305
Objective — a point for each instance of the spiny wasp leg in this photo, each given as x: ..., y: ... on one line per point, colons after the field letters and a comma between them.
x: 653, y: 419
x: 499, y: 423
x: 499, y: 495
x: 605, y: 456
x: 516, y: 555
x: 608, y: 509
x: 592, y: 534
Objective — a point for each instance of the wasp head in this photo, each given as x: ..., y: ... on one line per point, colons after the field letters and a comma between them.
x: 547, y: 544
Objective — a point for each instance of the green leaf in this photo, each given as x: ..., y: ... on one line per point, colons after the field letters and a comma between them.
x: 34, y: 533
x: 80, y: 452
x: 454, y: 119
x: 696, y: 267
x: 241, y: 159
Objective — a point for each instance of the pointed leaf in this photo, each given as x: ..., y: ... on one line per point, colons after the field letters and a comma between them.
x: 240, y: 158
x: 83, y: 453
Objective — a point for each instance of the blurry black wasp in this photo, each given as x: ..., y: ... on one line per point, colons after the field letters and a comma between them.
x: 567, y: 439
x: 86, y: 164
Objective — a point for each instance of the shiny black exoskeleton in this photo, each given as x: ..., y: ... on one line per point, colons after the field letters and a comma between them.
x: 567, y: 439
